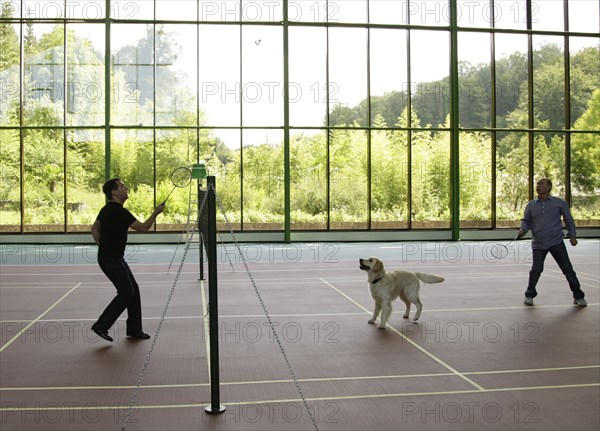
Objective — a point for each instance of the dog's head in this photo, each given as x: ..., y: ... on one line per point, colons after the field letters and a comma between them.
x: 372, y: 265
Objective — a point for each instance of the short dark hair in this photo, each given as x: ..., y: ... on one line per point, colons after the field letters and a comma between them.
x: 109, y: 186
x: 547, y: 180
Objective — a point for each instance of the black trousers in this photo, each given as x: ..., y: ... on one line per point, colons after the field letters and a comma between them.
x: 128, y: 295
x: 559, y: 253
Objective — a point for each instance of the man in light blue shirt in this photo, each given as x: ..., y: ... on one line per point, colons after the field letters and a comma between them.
x: 543, y: 217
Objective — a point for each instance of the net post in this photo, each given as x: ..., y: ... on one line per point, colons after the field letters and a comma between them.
x: 213, y: 306
x: 201, y: 222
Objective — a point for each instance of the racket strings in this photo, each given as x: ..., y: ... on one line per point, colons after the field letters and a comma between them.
x: 181, y: 177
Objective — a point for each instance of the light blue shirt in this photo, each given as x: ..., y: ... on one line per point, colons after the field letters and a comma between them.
x: 543, y: 218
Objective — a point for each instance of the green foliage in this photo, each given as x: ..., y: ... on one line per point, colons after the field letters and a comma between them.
x: 585, y: 149
x: 9, y: 40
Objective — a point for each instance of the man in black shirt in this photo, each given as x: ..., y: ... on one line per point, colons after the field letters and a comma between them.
x: 110, y: 233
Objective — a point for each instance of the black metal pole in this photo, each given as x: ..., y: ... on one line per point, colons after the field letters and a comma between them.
x: 213, y: 305
x: 200, y: 221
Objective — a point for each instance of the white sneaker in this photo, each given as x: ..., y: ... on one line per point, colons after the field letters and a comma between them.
x: 581, y: 302
x: 528, y: 301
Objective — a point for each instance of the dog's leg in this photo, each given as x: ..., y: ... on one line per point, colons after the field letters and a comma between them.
x: 385, y: 314
x: 375, y: 313
x: 419, y: 308
x: 407, y: 302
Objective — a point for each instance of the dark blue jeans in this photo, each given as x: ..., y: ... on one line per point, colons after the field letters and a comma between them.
x: 128, y: 295
x: 560, y: 255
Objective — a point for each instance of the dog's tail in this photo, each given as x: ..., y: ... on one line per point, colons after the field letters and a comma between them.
x: 429, y: 278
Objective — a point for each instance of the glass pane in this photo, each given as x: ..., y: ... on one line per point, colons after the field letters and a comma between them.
x: 177, y: 10
x: 227, y: 167
x: 43, y: 181
x: 347, y: 76
x: 475, y: 180
x: 10, y: 176
x: 85, y: 176
x: 308, y: 180
x: 174, y: 149
x: 389, y: 76
x: 584, y: 16
x: 307, y: 74
x: 132, y: 160
x: 87, y: 9
x: 430, y: 12
x: 585, y: 79
x: 430, y: 75
x: 510, y: 14
x: 85, y: 75
x: 430, y: 170
x: 354, y: 11
x: 262, y: 76
x: 314, y: 11
x: 388, y: 12
x: 549, y: 160
x: 225, y: 10
x: 549, y: 82
x: 588, y: 120
x: 219, y: 70
x: 348, y: 179
x: 261, y: 10
x: 43, y: 84
x: 548, y: 15
x: 132, y: 9
x: 176, y: 72
x: 585, y: 176
x: 389, y: 180
x: 42, y: 9
x: 133, y: 74
x: 10, y: 81
x: 512, y: 177
x: 511, y: 80
x: 263, y: 182
x: 475, y: 80
x: 475, y: 13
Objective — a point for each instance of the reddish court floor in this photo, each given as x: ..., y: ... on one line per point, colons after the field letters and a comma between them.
x: 478, y: 359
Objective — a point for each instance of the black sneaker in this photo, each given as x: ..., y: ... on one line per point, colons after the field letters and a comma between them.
x: 140, y: 335
x: 102, y: 333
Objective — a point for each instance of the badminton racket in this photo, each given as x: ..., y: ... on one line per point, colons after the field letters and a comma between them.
x: 500, y: 251
x: 180, y: 178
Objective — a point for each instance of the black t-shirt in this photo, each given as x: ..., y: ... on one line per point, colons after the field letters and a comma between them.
x: 114, y: 223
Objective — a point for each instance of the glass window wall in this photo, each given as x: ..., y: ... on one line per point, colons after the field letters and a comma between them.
x: 364, y: 99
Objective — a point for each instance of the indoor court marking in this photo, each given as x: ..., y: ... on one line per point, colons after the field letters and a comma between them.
x: 476, y: 359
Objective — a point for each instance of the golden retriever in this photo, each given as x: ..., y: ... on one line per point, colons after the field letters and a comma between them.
x: 385, y: 287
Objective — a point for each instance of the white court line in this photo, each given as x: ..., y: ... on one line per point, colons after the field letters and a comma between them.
x: 297, y: 400
x: 306, y: 380
x: 254, y: 316
x: 431, y: 355
x: 205, y: 326
x: 8, y: 343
